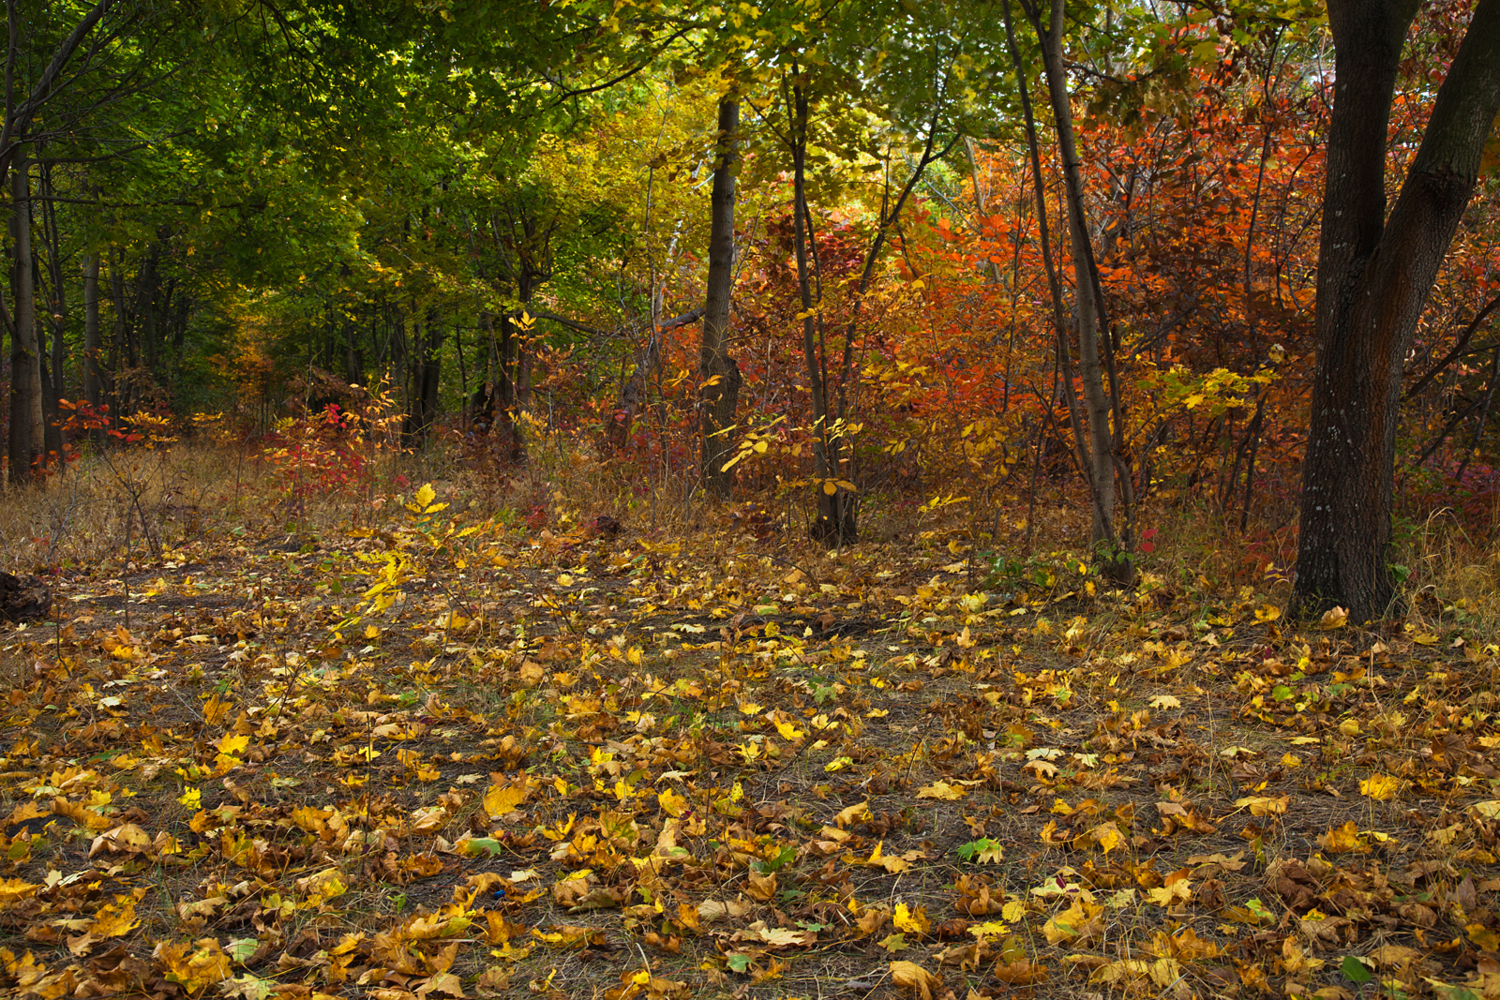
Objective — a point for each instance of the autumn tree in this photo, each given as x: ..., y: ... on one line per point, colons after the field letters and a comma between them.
x: 1375, y: 272
x: 720, y: 373
x: 1099, y: 431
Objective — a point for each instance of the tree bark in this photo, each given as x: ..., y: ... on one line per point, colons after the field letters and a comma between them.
x: 1374, y: 276
x: 92, y: 387
x: 720, y: 373
x: 835, y: 524
x: 507, y: 351
x: 26, y: 442
x: 57, y: 324
x: 1109, y: 550
x: 426, y: 372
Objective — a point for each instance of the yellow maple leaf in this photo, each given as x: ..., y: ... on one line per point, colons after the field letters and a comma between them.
x: 116, y: 918
x: 500, y: 800
x: 127, y: 838
x: 913, y: 921
x: 1177, y: 891
x: 1343, y: 840
x: 1380, y: 786
x: 1071, y: 924
x: 788, y: 730
x: 205, y: 966
x: 672, y: 803
x: 232, y: 744
x: 429, y: 819
x: 941, y: 790
x: 853, y: 814
x: 1264, y: 805
x: 1107, y: 835
x: 893, y: 865
x: 13, y: 890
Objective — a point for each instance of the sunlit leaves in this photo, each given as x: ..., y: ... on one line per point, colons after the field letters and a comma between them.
x: 1380, y: 787
x: 194, y: 966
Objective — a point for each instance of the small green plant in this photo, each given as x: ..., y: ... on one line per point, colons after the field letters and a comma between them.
x: 785, y: 856
x: 985, y: 850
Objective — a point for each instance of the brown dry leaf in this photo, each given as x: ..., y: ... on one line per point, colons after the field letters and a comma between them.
x: 1334, y: 618
x: 711, y: 910
x: 128, y: 838
x: 776, y: 937
x: 1388, y: 955
x: 572, y: 890
x: 1295, y: 961
x: 443, y: 984
x: 428, y: 819
x: 762, y: 888
x: 911, y: 976
x: 872, y: 918
x: 856, y: 813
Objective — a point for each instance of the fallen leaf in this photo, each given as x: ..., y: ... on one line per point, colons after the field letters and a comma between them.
x: 911, y: 976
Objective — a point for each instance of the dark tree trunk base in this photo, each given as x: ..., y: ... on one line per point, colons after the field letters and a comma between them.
x: 23, y: 599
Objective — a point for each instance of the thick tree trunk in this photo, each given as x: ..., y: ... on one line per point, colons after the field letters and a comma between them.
x: 26, y: 442
x: 1374, y: 276
x: 720, y: 373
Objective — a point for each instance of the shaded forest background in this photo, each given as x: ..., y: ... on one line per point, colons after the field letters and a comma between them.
x: 481, y: 234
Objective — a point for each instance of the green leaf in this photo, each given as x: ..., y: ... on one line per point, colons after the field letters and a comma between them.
x: 483, y: 845
x: 1355, y: 970
x: 243, y: 949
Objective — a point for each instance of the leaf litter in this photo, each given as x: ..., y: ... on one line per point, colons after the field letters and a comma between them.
x: 444, y: 757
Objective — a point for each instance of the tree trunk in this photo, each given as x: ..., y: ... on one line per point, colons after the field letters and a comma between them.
x: 57, y: 324
x: 719, y: 371
x: 835, y: 524
x: 1374, y: 276
x: 26, y: 431
x: 426, y: 371
x: 92, y: 386
x: 512, y: 448
x: 1108, y: 549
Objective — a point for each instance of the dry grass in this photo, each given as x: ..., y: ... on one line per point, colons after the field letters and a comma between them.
x: 1107, y: 742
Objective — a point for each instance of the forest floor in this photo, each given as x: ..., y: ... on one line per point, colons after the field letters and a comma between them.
x: 425, y: 751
